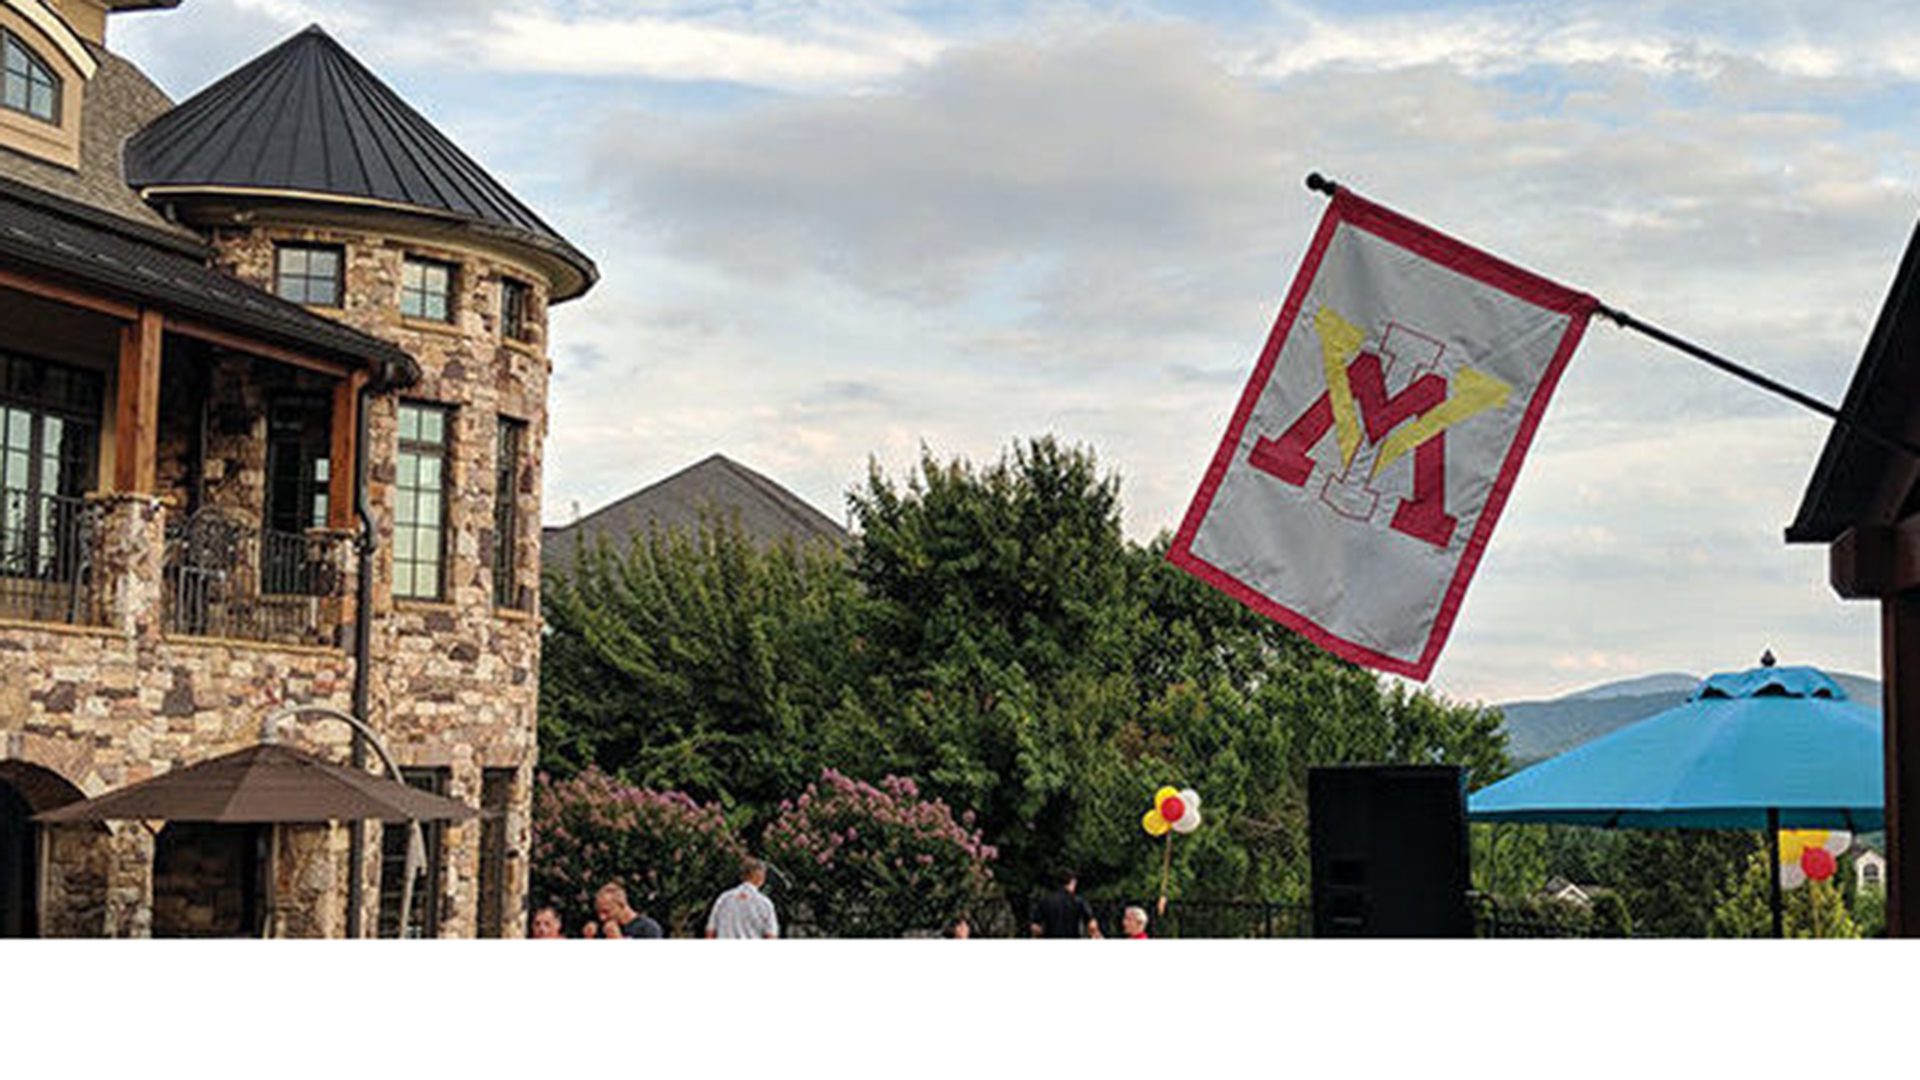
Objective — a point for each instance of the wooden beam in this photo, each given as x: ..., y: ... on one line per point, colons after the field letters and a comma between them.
x: 70, y: 296
x: 1900, y: 668
x: 343, y: 454
x: 137, y: 405
x: 1876, y: 561
x: 240, y: 343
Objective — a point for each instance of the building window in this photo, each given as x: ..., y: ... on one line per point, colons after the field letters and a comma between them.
x: 420, y: 502
x: 1870, y: 874
x: 49, y: 433
x: 423, y: 917
x: 507, y: 462
x: 426, y: 290
x: 516, y: 310
x: 307, y: 274
x: 496, y: 793
x: 27, y: 84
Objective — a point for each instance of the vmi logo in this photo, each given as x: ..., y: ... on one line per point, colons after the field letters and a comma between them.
x: 1363, y: 416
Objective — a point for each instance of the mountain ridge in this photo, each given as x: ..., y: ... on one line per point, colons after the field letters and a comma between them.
x: 1537, y: 730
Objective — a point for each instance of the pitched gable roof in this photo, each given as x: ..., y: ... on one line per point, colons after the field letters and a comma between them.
x: 765, y: 511
x: 307, y: 118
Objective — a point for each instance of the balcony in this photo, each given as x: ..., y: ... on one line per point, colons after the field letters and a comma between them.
x: 226, y: 578
x: 46, y: 558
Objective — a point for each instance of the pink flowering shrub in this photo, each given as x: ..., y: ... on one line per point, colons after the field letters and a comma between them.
x: 672, y: 854
x: 855, y: 860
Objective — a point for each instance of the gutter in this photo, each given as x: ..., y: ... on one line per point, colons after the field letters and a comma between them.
x: 391, y: 376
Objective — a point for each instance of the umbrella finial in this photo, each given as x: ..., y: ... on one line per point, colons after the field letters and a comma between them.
x: 1766, y: 658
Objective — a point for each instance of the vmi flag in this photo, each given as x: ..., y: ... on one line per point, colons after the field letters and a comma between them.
x: 1375, y: 445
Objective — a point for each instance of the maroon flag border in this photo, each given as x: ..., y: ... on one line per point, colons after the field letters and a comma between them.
x: 1471, y: 262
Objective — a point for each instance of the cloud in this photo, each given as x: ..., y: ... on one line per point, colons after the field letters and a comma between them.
x: 1080, y: 219
x: 815, y: 54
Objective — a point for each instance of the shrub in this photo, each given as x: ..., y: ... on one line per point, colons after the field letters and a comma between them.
x: 672, y: 854
x: 855, y: 860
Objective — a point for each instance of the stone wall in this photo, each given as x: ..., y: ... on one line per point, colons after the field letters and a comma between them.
x: 454, y: 683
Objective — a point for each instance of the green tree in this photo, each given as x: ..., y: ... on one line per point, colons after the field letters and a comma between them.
x: 994, y: 637
x: 1747, y: 910
x: 1672, y: 880
x: 1052, y: 675
x: 697, y: 662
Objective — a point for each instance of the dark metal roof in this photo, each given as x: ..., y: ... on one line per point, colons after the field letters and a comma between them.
x: 75, y: 243
x: 267, y: 783
x: 717, y: 486
x: 306, y: 117
x: 1860, y: 480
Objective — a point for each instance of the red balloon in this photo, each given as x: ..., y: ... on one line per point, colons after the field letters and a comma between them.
x: 1172, y: 809
x: 1817, y: 862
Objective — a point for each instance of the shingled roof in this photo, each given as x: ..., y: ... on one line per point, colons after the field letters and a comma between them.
x: 88, y: 246
x: 718, y: 486
x: 307, y: 118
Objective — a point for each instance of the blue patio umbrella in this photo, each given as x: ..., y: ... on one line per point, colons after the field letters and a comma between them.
x: 1769, y: 748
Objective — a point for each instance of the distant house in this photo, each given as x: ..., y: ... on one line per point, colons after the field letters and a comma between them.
x: 1559, y: 888
x: 1869, y: 869
x: 715, y: 488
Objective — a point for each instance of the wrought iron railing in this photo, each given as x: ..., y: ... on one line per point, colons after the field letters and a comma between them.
x: 227, y: 578
x: 46, y: 558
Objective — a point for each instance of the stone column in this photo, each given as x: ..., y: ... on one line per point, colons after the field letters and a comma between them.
x: 130, y: 881
x: 129, y: 553
x: 308, y: 900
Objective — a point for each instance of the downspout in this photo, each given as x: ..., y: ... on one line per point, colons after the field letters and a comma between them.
x: 362, y: 650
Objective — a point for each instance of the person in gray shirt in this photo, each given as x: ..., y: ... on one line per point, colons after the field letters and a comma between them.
x: 744, y: 911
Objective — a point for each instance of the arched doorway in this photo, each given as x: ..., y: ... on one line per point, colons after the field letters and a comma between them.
x: 25, y: 790
x: 209, y: 880
x: 19, y: 867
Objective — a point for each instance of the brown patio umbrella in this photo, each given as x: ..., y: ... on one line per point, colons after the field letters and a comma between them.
x: 264, y: 784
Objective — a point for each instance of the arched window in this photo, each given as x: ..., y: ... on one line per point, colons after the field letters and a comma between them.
x: 27, y: 84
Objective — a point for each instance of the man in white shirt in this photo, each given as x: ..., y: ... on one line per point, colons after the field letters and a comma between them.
x: 744, y: 911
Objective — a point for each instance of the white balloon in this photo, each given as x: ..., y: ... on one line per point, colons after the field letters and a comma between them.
x: 1191, y: 798
x: 1791, y: 876
x: 1188, y: 822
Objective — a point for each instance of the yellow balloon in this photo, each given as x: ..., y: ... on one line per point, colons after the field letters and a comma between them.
x: 1160, y: 797
x: 1154, y: 823
x: 1795, y: 841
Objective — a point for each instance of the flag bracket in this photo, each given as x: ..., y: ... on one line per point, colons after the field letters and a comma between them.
x: 1324, y: 186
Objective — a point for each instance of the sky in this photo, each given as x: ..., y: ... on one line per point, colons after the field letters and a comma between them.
x: 836, y: 233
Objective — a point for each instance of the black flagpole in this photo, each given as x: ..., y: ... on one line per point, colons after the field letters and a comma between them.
x: 1316, y: 182
x: 1773, y: 867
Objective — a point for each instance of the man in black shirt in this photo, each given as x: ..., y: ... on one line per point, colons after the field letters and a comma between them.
x: 617, y: 918
x: 1063, y: 914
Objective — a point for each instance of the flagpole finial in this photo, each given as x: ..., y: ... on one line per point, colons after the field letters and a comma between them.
x: 1316, y: 182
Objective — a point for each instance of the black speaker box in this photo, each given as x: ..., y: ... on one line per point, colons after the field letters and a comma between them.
x: 1389, y: 851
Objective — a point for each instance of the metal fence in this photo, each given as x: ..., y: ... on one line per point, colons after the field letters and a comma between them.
x: 227, y: 578
x: 46, y: 551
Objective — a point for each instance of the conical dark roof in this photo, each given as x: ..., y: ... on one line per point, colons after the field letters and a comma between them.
x: 307, y: 117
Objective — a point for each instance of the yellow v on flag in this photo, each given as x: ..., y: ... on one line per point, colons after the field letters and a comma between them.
x: 1376, y: 443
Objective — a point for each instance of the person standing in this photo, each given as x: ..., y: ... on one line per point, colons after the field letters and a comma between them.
x: 1063, y: 913
x: 744, y: 911
x: 1133, y: 923
x: 617, y: 917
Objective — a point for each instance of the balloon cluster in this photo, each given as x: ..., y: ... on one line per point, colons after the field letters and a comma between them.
x: 1175, y: 810
x: 1809, y: 854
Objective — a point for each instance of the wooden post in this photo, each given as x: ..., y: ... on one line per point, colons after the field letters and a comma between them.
x: 137, y: 406
x: 342, y: 459
x: 1900, y: 667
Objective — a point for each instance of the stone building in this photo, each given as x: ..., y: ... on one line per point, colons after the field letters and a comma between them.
x: 273, y: 380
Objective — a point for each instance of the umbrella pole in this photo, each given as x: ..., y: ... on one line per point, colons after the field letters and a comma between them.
x: 1773, y: 867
